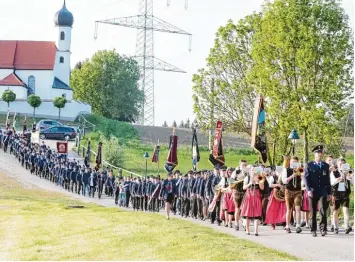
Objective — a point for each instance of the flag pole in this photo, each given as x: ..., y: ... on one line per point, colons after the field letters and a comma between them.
x: 158, y: 160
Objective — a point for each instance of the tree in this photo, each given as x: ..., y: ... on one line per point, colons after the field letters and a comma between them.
x: 165, y: 124
x: 8, y: 96
x: 59, y: 102
x: 303, y: 58
x: 109, y: 83
x: 221, y: 90
x: 34, y: 101
x: 181, y: 125
x: 187, y: 124
x: 174, y: 124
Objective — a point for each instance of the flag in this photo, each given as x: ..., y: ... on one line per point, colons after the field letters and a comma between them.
x: 195, y: 150
x: 14, y: 121
x: 172, y: 160
x: 25, y: 126
x: 258, y: 136
x: 155, y: 158
x: 7, y: 120
x: 99, y: 157
x: 88, y: 155
x: 217, y: 156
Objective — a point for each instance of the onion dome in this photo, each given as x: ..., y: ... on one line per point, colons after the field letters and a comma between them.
x: 63, y: 17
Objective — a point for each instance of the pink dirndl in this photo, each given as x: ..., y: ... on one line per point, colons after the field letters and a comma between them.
x: 305, y: 203
x: 230, y: 203
x: 275, y: 211
x: 251, y: 207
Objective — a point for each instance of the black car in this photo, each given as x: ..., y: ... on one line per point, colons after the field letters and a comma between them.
x: 58, y: 132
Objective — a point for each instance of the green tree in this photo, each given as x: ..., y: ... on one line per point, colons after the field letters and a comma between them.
x: 222, y: 90
x: 174, y: 124
x: 165, y: 124
x: 8, y: 96
x: 303, y: 58
x: 109, y: 83
x: 34, y: 101
x: 187, y: 124
x: 182, y: 124
x: 59, y: 102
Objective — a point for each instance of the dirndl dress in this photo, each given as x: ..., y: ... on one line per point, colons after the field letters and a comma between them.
x: 306, y: 207
x: 275, y: 211
x: 252, y: 207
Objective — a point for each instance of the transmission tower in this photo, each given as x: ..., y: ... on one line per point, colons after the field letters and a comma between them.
x: 146, y: 23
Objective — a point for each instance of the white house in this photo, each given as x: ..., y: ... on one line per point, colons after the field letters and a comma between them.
x: 41, y: 68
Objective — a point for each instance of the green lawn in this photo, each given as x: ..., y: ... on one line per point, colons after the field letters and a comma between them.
x: 36, y: 225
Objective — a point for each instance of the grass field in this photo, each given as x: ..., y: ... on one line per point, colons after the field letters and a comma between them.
x: 36, y: 225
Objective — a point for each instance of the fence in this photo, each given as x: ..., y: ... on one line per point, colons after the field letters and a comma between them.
x: 106, y: 164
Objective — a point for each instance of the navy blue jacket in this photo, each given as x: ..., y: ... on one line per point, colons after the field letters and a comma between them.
x: 164, y: 191
x: 317, y: 179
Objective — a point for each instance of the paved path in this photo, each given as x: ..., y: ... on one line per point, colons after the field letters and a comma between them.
x: 329, y: 248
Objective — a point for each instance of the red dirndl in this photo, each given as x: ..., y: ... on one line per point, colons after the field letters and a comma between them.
x: 251, y: 207
x: 305, y: 203
x: 275, y: 211
x: 230, y: 203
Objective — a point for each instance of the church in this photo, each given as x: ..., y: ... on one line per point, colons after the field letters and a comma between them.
x: 41, y: 68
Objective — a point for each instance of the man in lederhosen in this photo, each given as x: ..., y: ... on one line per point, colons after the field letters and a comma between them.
x: 317, y: 180
x: 341, y: 190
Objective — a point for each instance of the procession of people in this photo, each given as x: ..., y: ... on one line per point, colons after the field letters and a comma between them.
x: 289, y: 196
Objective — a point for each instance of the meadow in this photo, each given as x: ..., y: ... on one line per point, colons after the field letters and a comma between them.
x: 38, y: 225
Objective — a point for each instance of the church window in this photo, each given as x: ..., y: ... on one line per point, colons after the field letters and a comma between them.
x: 61, y: 60
x: 32, y: 83
x: 62, y: 36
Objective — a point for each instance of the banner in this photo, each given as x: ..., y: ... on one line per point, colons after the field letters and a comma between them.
x: 195, y: 151
x: 155, y: 158
x: 62, y: 147
x: 8, y: 119
x: 99, y: 157
x: 258, y: 136
x: 14, y: 121
x: 217, y: 156
x: 172, y: 160
x: 25, y: 126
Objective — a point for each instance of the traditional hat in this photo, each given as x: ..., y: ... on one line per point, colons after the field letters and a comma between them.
x: 318, y: 148
x: 223, y: 168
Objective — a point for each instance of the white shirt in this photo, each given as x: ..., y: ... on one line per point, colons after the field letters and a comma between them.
x: 334, y: 181
x: 271, y: 180
x: 284, y: 176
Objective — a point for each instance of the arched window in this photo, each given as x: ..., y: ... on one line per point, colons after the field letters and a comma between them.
x: 61, y: 60
x: 32, y: 83
x: 62, y: 35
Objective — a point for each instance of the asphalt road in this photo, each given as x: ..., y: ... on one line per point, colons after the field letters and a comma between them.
x: 304, y: 246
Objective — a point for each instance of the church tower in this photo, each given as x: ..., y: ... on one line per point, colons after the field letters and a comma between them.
x: 64, y: 21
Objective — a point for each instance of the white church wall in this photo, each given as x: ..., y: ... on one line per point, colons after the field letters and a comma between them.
x: 46, y: 110
x: 5, y: 72
x: 20, y: 91
x: 62, y: 70
x: 60, y: 92
x: 43, y: 82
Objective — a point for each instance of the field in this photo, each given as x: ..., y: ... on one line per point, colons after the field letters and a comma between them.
x: 37, y: 225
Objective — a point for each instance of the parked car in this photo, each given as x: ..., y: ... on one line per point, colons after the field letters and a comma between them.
x: 58, y: 132
x: 46, y: 123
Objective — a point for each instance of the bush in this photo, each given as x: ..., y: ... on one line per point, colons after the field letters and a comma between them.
x: 113, y: 151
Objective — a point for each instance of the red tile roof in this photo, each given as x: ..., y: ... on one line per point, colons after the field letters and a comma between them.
x: 27, y: 55
x: 11, y: 80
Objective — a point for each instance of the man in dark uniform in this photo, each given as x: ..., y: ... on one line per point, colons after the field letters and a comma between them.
x: 318, y: 187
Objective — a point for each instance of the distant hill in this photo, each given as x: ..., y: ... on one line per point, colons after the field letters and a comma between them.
x: 151, y: 134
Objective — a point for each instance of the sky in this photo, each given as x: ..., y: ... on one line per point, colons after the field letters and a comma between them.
x: 33, y: 20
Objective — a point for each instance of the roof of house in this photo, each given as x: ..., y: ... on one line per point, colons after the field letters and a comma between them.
x: 59, y: 84
x: 12, y: 80
x: 27, y: 55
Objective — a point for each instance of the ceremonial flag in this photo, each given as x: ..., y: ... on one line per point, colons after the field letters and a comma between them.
x: 195, y: 150
x: 25, y: 126
x: 155, y: 158
x: 7, y: 119
x: 172, y: 160
x: 14, y: 121
x: 258, y: 137
x: 88, y: 155
x: 217, y: 156
x: 99, y: 157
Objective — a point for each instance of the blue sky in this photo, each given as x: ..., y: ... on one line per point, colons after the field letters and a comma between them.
x: 33, y: 20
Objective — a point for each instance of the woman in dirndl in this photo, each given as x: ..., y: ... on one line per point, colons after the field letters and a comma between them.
x: 226, y: 196
x: 251, y: 207
x: 276, y: 209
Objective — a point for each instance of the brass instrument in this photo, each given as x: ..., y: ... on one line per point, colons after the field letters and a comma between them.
x: 279, y: 194
x: 299, y: 171
x: 261, y: 177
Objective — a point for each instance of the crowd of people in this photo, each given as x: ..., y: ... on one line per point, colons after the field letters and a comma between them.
x: 289, y: 196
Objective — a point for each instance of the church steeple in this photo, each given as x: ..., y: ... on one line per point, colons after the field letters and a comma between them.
x: 64, y: 17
